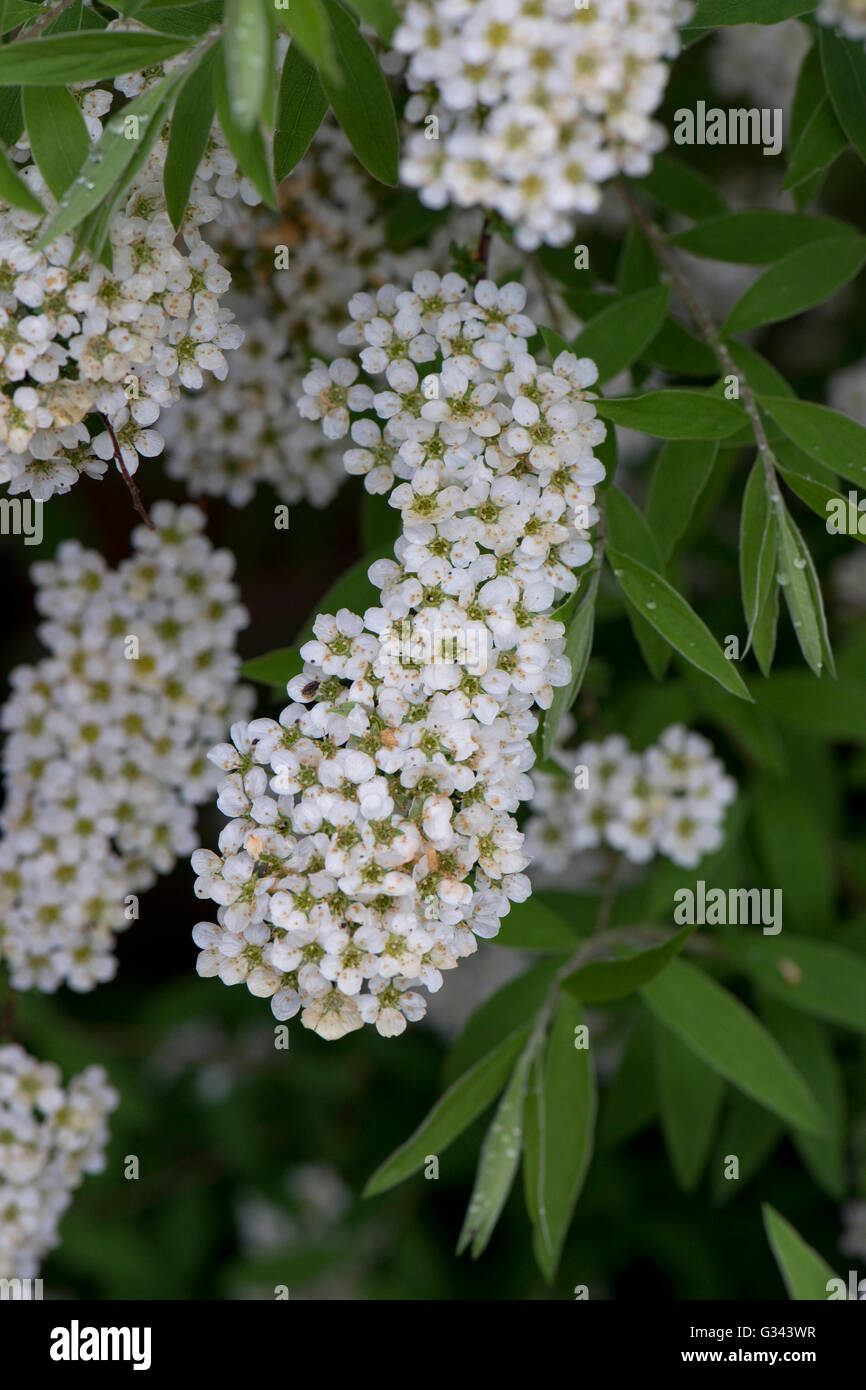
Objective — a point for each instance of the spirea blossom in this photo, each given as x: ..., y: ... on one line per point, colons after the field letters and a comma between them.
x: 90, y: 356
x: 537, y: 104
x: 105, y: 758
x: 51, y: 1136
x: 669, y: 800
x: 849, y: 15
x: 371, y: 836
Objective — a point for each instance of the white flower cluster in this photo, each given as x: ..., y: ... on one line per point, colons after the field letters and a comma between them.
x: 87, y: 353
x: 50, y: 1137
x: 850, y: 15
x: 537, y: 104
x: 292, y: 279
x: 668, y: 800
x: 372, y: 834
x: 105, y: 758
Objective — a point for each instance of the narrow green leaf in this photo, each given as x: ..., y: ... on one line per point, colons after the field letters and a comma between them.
x: 88, y: 57
x: 801, y: 587
x: 757, y: 237
x: 671, y: 615
x: 381, y: 15
x: 832, y: 439
x: 307, y: 22
x: 816, y: 977
x: 568, y: 1107
x: 301, y: 108
x: 674, y: 414
x: 750, y: 1134
x: 109, y: 160
x: 808, y: 1046
x: 604, y: 981
x: 617, y: 336
x: 274, y: 668
x: 13, y: 188
x: 247, y: 146
x: 191, y: 20
x: 57, y: 133
x: 497, y: 1165
x: 188, y: 137
x: 361, y: 98
x: 580, y: 626
x: 795, y: 849
x: 844, y: 63
x: 690, y: 1098
x: 248, y: 51
x: 682, y: 189
x: 757, y: 549
x: 820, y: 144
x: 725, y: 1035
x: 682, y: 472
x: 461, y: 1104
x: 798, y: 282
x: 807, y: 1276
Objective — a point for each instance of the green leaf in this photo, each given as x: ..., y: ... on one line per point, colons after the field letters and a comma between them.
x: 820, y: 144
x: 832, y: 439
x: 15, y: 12
x: 110, y: 160
x: 188, y: 137
x: 510, y: 1009
x: 829, y: 709
x: 690, y: 1098
x: 565, y: 1125
x: 89, y: 57
x: 725, y: 1035
x: 679, y: 352
x: 307, y: 22
x: 799, y: 581
x: 57, y: 133
x: 671, y: 615
x: 301, y: 108
x: 361, y: 99
x: 808, y: 1046
x: 248, y: 51
x: 682, y: 189
x: 795, y: 850
x: 352, y: 590
x: 798, y: 282
x: 497, y: 1165
x: 554, y: 342
x: 675, y: 414
x: 531, y: 926
x: 750, y: 1134
x: 451, y: 1115
x: 274, y: 668
x: 757, y: 237
x: 630, y: 535
x: 844, y: 64
x: 816, y: 977
x: 631, y: 1101
x: 247, y: 146
x: 381, y: 15
x: 13, y: 188
x: 11, y: 115
x: 580, y: 626
x: 603, y: 981
x: 757, y: 549
x: 712, y: 12
x: 617, y: 336
x: 191, y: 20
x: 683, y: 470
x: 807, y: 1276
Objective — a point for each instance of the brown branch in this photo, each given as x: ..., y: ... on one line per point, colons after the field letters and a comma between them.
x: 127, y: 478
x: 705, y: 325
x: 47, y: 17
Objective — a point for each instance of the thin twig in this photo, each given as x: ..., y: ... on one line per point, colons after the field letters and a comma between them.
x: 47, y: 17
x: 705, y: 325
x: 482, y: 255
x: 127, y: 478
